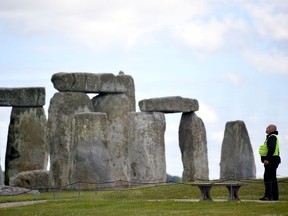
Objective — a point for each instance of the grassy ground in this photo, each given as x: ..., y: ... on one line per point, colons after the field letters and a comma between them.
x: 172, y: 199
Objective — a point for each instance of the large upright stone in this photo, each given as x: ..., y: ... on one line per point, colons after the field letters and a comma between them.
x: 117, y: 107
x: 169, y: 105
x: 22, y: 97
x: 147, y: 147
x: 1, y: 176
x: 63, y: 107
x: 237, y: 158
x: 26, y: 145
x: 90, y: 161
x: 193, y: 146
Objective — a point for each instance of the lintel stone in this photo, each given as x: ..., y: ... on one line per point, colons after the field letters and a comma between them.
x: 89, y: 82
x: 172, y: 104
x: 22, y: 97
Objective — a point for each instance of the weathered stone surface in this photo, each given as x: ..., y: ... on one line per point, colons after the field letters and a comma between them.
x: 169, y: 105
x: 63, y: 107
x: 193, y: 146
x: 26, y: 145
x: 22, y: 97
x: 89, y: 82
x: 90, y: 158
x: 147, y: 147
x: 237, y: 158
x: 117, y: 107
x: 1, y: 176
x: 36, y: 179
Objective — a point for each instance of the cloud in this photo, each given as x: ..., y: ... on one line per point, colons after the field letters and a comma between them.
x: 270, y: 20
x: 207, y: 114
x: 274, y: 61
x: 235, y: 79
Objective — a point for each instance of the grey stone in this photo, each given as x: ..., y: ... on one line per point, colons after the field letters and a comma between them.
x: 117, y: 107
x: 36, y: 179
x: 147, y: 147
x: 26, y: 145
x: 63, y: 107
x: 169, y: 105
x: 90, y: 158
x: 22, y: 97
x: 1, y: 176
x: 193, y: 146
x: 89, y: 82
x: 237, y: 158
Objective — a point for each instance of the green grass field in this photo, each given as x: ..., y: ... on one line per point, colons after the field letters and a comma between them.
x: 169, y: 199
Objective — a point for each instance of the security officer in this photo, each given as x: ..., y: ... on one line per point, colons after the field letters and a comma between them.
x: 270, y: 157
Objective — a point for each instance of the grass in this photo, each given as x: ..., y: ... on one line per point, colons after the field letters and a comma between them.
x: 171, y: 199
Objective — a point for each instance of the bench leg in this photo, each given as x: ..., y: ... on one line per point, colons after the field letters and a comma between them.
x: 233, y: 192
x: 205, y: 193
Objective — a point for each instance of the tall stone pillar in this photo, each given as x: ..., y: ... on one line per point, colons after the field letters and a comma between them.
x: 116, y: 107
x: 237, y: 158
x: 193, y: 146
x: 90, y: 161
x: 26, y: 145
x: 63, y: 107
x: 147, y: 147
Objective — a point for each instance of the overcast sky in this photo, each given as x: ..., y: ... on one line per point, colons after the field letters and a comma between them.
x: 230, y: 55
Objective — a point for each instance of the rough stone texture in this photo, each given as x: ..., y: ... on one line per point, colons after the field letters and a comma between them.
x: 63, y: 107
x: 117, y: 107
x: 169, y: 105
x: 90, y: 158
x: 147, y: 147
x: 88, y: 82
x: 237, y: 158
x: 128, y: 82
x: 36, y: 179
x: 7, y: 190
x: 22, y: 97
x: 193, y: 146
x: 26, y: 145
x: 1, y: 176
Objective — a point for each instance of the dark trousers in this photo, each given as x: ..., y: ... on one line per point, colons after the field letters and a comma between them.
x: 270, y: 180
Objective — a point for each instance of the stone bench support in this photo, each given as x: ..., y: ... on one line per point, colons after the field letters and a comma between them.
x: 205, y: 189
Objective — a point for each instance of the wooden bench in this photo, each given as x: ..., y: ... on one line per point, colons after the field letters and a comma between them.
x: 205, y: 188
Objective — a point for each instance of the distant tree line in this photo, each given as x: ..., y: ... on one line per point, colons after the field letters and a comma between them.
x: 170, y: 178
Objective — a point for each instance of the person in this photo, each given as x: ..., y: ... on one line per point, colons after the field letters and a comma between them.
x: 270, y: 157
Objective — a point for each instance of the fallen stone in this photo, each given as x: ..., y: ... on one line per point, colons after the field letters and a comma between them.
x: 169, y: 105
x: 36, y: 179
x: 22, y: 97
x: 9, y: 191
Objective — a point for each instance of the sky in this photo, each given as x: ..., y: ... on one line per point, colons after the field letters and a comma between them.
x: 230, y: 55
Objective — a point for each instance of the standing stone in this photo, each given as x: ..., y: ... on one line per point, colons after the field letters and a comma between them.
x: 1, y: 176
x: 147, y: 147
x: 63, y: 107
x: 90, y: 161
x: 26, y: 145
x: 237, y: 158
x: 117, y: 107
x: 193, y: 146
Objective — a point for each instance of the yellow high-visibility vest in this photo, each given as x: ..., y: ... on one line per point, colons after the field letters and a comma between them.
x: 263, y: 149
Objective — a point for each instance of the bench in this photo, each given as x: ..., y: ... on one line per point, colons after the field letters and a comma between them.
x: 205, y: 188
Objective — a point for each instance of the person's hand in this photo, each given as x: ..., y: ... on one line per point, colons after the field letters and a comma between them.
x: 266, y: 162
